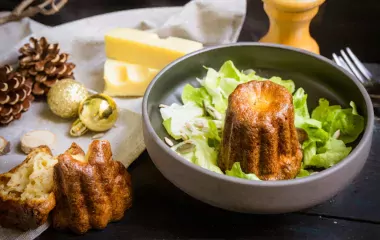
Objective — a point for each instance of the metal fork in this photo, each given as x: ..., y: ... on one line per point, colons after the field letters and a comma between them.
x: 352, y: 64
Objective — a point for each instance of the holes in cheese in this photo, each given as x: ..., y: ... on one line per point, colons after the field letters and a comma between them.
x: 125, y: 79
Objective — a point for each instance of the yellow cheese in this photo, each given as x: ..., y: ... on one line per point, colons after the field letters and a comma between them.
x: 144, y: 48
x: 125, y: 79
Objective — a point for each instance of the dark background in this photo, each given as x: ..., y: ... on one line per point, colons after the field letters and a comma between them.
x: 340, y: 23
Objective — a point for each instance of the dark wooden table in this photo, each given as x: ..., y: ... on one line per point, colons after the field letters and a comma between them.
x: 161, y: 211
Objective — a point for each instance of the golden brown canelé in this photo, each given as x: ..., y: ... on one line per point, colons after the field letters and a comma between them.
x: 259, y: 132
x: 91, y: 190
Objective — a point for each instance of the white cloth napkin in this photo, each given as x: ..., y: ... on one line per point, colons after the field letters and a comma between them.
x: 208, y: 21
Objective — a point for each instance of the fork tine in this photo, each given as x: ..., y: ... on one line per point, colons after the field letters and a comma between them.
x: 336, y: 60
x: 341, y: 63
x: 345, y: 65
x: 352, y: 66
x: 359, y: 65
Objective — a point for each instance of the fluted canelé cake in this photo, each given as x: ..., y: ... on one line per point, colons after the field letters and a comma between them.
x: 259, y: 132
x: 91, y: 190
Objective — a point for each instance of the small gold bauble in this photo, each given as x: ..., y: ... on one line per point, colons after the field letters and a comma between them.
x: 98, y: 112
x: 65, y: 97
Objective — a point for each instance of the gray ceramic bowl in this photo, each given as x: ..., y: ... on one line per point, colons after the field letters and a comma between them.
x: 317, y: 75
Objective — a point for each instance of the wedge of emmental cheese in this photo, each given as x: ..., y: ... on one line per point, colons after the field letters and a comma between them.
x: 125, y: 79
x: 134, y: 57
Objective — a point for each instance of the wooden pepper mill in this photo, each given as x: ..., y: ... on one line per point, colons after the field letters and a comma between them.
x: 290, y: 22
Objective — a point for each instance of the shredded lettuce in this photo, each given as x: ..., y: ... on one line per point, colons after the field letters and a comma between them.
x: 199, y: 122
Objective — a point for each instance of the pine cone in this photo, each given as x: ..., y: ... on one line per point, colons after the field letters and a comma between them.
x: 41, y: 63
x: 15, y: 95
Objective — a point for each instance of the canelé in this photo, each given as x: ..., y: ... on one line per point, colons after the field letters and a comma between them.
x: 91, y: 190
x: 259, y: 132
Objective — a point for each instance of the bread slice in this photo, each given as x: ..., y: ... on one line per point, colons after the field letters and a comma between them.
x: 26, y: 191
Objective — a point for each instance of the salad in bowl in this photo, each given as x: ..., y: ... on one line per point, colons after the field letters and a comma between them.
x: 198, y: 126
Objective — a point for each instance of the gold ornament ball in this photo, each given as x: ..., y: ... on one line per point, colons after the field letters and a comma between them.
x: 98, y: 112
x: 65, y: 97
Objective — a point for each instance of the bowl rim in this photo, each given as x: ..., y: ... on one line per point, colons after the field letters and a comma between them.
x: 366, y: 137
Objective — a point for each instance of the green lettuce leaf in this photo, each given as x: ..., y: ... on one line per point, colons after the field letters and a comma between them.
x: 334, y: 118
x: 303, y: 173
x: 302, y: 119
x: 250, y: 75
x: 328, y: 155
x: 212, y: 84
x: 309, y: 151
x: 168, y: 127
x: 213, y: 134
x: 176, y: 116
x: 237, y: 172
x: 349, y: 123
x: 200, y: 126
x: 186, y: 149
x: 228, y: 85
x: 288, y: 84
x: 196, y: 95
x: 228, y: 70
x: 313, y: 129
x: 205, y: 156
x: 197, y: 151
x: 324, y: 112
x: 300, y: 104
